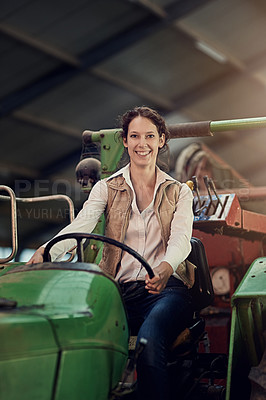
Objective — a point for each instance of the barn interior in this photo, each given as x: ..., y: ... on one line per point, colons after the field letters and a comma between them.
x: 69, y: 66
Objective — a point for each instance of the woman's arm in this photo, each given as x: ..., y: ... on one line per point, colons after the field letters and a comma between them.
x: 179, y: 247
x: 85, y: 222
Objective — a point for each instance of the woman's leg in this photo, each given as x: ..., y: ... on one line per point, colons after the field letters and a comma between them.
x: 165, y: 316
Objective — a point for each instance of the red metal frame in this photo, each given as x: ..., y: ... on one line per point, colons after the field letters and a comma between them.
x: 233, y: 238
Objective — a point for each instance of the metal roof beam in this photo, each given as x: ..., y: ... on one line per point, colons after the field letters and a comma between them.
x: 47, y: 124
x: 92, y: 57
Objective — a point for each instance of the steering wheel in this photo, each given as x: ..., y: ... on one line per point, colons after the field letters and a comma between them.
x: 80, y: 251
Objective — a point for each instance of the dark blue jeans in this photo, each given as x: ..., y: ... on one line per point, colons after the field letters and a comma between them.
x: 159, y: 319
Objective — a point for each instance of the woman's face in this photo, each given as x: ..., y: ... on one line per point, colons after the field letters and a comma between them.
x: 143, y: 142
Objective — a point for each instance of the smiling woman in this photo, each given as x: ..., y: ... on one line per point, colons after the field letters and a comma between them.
x: 143, y: 141
x: 154, y: 125
x: 151, y: 212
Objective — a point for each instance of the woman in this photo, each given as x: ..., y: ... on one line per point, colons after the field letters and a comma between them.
x: 151, y: 212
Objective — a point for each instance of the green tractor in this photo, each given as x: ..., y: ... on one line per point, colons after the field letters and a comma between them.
x: 63, y: 326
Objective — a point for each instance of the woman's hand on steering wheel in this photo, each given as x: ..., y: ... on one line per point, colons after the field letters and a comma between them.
x: 162, y: 273
x: 37, y: 256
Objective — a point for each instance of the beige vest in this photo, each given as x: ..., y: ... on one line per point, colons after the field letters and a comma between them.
x: 117, y: 216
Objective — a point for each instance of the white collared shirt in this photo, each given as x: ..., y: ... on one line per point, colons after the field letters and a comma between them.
x: 143, y: 233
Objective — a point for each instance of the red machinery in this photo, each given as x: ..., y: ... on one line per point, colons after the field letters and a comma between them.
x: 234, y: 236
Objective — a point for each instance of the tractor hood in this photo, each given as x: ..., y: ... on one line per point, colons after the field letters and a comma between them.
x: 61, y: 326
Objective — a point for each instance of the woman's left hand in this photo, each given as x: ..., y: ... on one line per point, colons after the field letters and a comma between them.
x: 158, y: 282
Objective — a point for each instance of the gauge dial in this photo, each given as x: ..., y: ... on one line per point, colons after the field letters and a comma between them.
x: 221, y: 281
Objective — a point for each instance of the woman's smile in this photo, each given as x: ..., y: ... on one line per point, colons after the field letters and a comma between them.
x: 143, y: 153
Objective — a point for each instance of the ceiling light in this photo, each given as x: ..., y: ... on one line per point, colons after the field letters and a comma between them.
x: 209, y: 51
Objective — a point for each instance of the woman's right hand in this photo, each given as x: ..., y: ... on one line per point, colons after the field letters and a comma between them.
x: 37, y: 256
x: 162, y: 273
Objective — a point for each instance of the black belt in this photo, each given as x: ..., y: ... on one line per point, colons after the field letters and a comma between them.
x: 132, y: 288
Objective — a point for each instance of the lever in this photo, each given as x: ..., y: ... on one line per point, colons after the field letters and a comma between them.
x: 196, y: 188
x: 123, y: 388
x: 133, y: 361
x: 207, y: 184
x: 212, y: 185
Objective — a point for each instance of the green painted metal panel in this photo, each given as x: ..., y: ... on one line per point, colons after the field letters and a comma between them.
x: 23, y: 335
x: 28, y: 357
x: 247, y: 327
x: 79, y: 300
x: 71, y: 314
x: 4, y: 268
x: 28, y: 378
x: 85, y: 374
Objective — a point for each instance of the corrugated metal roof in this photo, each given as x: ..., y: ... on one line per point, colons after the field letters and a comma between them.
x: 68, y: 66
